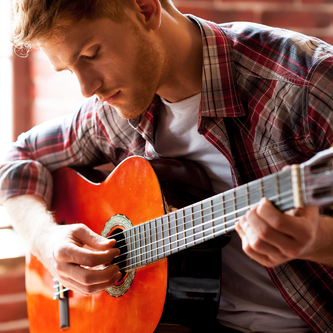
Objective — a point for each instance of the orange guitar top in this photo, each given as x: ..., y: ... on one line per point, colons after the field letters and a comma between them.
x: 131, y: 190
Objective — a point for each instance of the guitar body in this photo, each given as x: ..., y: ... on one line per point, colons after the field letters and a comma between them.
x: 132, y: 190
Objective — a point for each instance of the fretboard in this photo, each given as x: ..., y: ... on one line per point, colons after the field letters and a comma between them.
x: 205, y: 220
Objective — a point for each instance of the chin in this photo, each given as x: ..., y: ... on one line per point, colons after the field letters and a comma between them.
x: 126, y: 114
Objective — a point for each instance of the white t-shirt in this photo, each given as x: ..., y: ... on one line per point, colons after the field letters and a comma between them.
x: 249, y: 300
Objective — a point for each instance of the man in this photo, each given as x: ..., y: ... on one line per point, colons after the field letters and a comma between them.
x: 242, y: 100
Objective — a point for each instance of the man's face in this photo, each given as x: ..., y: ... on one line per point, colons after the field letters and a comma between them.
x: 120, y: 63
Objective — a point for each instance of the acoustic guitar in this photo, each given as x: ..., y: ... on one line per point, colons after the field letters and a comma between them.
x: 170, y: 258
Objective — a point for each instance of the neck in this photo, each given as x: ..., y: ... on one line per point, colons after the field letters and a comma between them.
x: 182, y: 75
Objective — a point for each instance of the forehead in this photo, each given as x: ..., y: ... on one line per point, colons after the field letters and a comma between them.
x: 65, y: 45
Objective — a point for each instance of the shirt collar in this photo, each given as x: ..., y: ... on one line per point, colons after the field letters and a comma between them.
x: 219, y: 96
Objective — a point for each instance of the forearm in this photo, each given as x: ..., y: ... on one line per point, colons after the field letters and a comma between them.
x: 61, y: 248
x: 31, y: 219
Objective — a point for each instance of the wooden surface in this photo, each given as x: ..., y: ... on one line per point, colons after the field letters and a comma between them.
x: 132, y: 190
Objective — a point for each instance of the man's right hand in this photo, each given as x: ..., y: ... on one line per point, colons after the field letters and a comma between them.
x: 69, y: 252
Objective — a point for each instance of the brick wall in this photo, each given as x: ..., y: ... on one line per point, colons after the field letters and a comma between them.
x: 13, y: 308
x: 53, y: 94
x: 312, y: 17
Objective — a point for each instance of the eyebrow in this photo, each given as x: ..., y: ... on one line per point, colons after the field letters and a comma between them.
x: 78, y: 51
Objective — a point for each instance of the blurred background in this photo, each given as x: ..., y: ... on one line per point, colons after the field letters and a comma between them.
x: 31, y: 93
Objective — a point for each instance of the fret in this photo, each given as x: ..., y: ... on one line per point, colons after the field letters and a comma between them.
x: 127, y: 239
x: 234, y: 205
x: 148, y: 242
x: 132, y: 245
x: 200, y: 222
x: 137, y: 246
x: 189, y: 230
x: 223, y: 213
x: 217, y: 214
x: 173, y: 237
x: 285, y: 185
x: 174, y: 232
x: 180, y: 227
x: 207, y: 220
x: 213, y: 217
x: 159, y: 238
x: 241, y: 205
x: 269, y: 188
x: 261, y: 188
x: 196, y: 223
x: 277, y: 191
x: 165, y: 235
x: 187, y: 216
x: 247, y: 195
x: 153, y: 240
x: 255, y: 191
x: 229, y: 210
x: 143, y: 256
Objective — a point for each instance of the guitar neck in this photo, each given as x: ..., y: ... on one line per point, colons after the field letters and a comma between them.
x: 207, y: 219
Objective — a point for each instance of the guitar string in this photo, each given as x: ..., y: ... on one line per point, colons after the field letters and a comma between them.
x: 223, y: 204
x: 223, y: 229
x: 164, y: 253
x: 176, y: 220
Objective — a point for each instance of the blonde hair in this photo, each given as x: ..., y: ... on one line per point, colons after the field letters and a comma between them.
x: 35, y: 21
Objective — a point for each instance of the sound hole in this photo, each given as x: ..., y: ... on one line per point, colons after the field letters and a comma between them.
x: 121, y: 260
x: 115, y: 228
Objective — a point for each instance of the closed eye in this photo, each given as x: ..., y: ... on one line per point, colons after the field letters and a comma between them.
x: 93, y: 56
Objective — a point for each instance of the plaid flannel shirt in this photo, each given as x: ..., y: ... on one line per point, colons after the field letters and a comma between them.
x: 266, y: 102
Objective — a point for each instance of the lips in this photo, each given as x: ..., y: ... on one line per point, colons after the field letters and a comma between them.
x: 111, y: 99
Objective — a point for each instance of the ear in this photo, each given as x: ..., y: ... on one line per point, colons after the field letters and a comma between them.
x: 150, y: 12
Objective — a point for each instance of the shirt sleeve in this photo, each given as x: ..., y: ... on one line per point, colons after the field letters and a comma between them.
x: 320, y: 103
x: 94, y: 135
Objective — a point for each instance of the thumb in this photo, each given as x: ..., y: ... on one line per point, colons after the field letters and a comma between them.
x: 94, y: 240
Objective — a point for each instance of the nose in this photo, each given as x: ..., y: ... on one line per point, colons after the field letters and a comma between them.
x: 90, y: 81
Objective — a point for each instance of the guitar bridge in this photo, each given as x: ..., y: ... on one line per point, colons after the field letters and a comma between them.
x: 61, y: 294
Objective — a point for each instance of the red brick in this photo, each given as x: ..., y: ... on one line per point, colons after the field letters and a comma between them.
x: 13, y: 311
x: 18, y: 330
x: 327, y: 39
x: 271, y: 2
x: 12, y: 276
x: 12, y: 283
x: 299, y: 19
x: 15, y: 326
x: 317, y: 2
x: 219, y: 16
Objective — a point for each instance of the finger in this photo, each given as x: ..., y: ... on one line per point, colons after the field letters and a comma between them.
x: 83, y: 256
x: 267, y: 243
x: 259, y: 250
x: 86, y: 236
x: 88, y: 289
x: 87, y: 276
x: 299, y: 226
x: 259, y: 230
